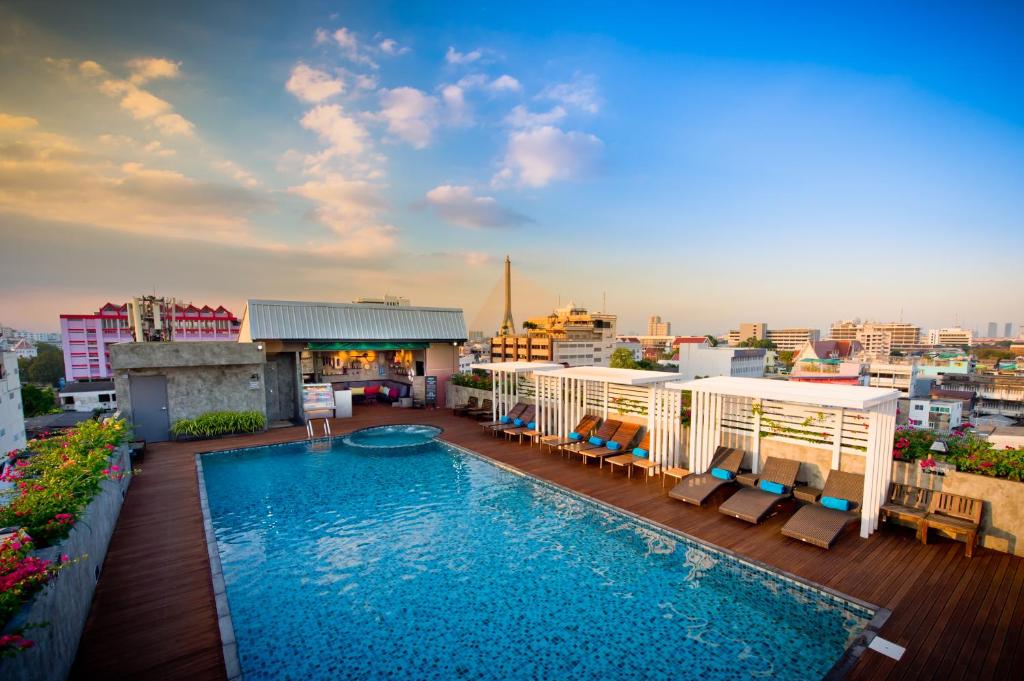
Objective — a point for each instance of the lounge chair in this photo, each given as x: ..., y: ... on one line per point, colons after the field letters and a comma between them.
x: 623, y: 437
x: 520, y: 423
x: 819, y: 525
x: 604, y: 433
x: 485, y: 410
x: 696, y: 489
x: 626, y: 460
x: 462, y: 409
x: 584, y: 428
x: 754, y: 504
x: 506, y: 419
x: 956, y: 514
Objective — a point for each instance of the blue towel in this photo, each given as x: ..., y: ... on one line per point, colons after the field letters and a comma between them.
x: 640, y: 452
x: 505, y: 419
x: 772, y: 487
x: 517, y: 423
x: 532, y: 425
x: 575, y: 437
x: 595, y: 440
x: 835, y: 503
x: 614, y: 446
x: 721, y: 474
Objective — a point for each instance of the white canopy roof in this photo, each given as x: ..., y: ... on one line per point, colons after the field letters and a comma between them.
x: 821, y: 394
x: 619, y: 376
x: 515, y: 367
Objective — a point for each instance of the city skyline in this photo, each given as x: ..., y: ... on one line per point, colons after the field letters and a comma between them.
x: 790, y: 165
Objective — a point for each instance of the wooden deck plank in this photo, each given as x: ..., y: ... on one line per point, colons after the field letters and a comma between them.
x: 154, y: 617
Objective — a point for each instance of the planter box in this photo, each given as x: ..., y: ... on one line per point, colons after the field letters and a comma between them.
x: 64, y: 603
x: 1002, y: 522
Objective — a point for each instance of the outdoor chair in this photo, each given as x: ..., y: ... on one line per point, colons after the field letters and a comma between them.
x: 623, y: 439
x: 958, y: 515
x: 907, y: 504
x: 697, y: 489
x: 583, y: 430
x: 602, y: 435
x: 638, y: 453
x: 821, y: 523
x: 774, y: 486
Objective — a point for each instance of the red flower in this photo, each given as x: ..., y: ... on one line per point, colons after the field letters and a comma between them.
x: 986, y: 464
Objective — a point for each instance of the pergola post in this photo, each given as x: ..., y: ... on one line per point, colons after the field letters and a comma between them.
x: 756, y: 449
x: 652, y: 423
x: 837, y: 438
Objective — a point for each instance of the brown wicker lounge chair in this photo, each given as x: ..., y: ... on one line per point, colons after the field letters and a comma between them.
x: 512, y: 413
x: 821, y: 526
x: 526, y: 417
x: 696, y: 489
x: 485, y: 410
x: 626, y: 460
x: 605, y: 432
x: 462, y: 409
x: 754, y: 504
x: 956, y: 514
x: 585, y: 427
x: 624, y: 436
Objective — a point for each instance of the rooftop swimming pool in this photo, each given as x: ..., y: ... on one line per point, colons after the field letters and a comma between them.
x: 360, y: 559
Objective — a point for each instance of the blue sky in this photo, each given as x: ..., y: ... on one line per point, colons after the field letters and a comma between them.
x: 793, y: 164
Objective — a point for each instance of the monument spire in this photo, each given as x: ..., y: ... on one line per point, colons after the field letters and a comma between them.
x: 508, y: 327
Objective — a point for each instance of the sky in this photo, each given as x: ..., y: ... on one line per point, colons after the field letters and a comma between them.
x: 708, y: 162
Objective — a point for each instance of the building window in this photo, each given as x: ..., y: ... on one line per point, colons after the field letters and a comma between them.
x: 105, y: 397
x: 69, y: 400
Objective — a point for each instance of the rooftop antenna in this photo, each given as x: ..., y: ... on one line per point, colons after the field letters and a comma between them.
x: 604, y: 301
x: 508, y: 327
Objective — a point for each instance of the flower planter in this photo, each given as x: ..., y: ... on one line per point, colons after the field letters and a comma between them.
x: 63, y: 604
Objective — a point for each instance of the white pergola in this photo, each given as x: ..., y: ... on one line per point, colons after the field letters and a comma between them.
x: 564, y: 396
x: 505, y: 388
x: 851, y: 420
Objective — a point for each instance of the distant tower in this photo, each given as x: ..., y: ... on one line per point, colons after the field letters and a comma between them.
x: 508, y: 327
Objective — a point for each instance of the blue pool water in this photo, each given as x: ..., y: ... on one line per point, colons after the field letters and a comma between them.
x: 425, y: 562
x: 392, y: 436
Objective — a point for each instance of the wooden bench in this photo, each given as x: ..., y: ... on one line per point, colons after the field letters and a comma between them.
x: 908, y: 504
x: 958, y: 515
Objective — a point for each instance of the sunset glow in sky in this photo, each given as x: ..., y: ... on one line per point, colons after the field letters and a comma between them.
x: 794, y: 165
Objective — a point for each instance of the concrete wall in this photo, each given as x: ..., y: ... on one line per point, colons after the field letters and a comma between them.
x: 201, y: 377
x: 65, y: 602
x: 442, y: 360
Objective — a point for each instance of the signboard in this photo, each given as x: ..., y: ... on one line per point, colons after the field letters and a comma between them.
x: 430, y: 398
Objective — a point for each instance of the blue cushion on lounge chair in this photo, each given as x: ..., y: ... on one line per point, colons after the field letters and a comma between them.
x: 722, y: 474
x: 595, y: 440
x: 640, y: 452
x: 532, y: 425
x: 614, y: 446
x: 575, y: 436
x: 505, y: 419
x: 772, y: 487
x: 836, y: 503
x: 517, y: 423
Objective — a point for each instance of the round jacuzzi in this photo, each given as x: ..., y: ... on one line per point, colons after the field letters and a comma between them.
x: 390, y: 437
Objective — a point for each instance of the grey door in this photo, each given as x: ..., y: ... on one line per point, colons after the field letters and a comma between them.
x: 279, y: 380
x: 149, y: 408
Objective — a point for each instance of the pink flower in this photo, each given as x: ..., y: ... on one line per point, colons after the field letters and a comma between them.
x: 115, y: 467
x: 986, y: 464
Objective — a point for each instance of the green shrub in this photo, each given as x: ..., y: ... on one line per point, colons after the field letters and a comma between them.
x: 216, y: 423
x: 478, y: 379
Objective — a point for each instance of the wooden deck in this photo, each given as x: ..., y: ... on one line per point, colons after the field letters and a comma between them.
x: 153, y: 615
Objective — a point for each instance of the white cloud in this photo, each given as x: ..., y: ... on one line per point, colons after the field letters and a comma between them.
x: 521, y: 117
x: 457, y: 205
x: 10, y: 122
x: 344, y: 135
x: 539, y: 156
x: 349, y: 44
x: 364, y: 82
x: 410, y: 114
x: 159, y: 149
x: 312, y: 85
x: 455, y: 105
x: 580, y: 94
x: 141, y: 104
x: 233, y: 170
x: 146, y: 69
x: 452, y: 56
x: 505, y: 83
x: 351, y: 209
x: 389, y: 46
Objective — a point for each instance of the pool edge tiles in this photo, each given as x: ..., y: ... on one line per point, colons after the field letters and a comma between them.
x: 229, y: 646
x: 874, y: 615
x: 853, y: 651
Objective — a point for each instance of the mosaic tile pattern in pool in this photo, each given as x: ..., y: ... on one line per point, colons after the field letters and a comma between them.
x: 427, y: 563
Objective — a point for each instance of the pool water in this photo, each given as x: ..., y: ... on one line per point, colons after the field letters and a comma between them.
x: 431, y: 563
x: 392, y: 436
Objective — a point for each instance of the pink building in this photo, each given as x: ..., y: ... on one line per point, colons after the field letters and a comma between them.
x: 86, y: 338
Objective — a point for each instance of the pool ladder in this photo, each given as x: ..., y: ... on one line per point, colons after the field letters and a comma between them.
x: 310, y: 430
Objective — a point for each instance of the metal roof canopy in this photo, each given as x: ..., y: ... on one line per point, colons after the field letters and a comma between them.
x: 313, y: 321
x: 617, y: 376
x: 515, y: 367
x: 825, y: 395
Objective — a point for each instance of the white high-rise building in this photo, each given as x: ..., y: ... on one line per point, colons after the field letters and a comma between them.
x: 12, y: 417
x: 951, y: 336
